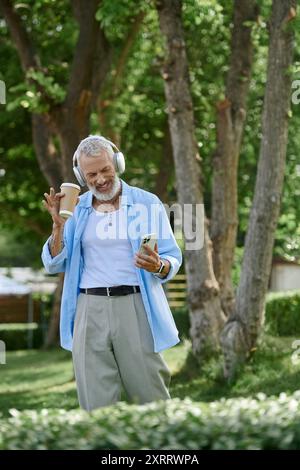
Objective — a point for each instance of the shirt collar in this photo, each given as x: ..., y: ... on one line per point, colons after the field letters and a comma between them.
x: 126, y: 197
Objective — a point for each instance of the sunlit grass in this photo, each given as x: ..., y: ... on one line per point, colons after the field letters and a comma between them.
x: 44, y: 379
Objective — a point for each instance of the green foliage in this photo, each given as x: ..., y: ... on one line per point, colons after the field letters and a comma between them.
x: 15, y: 335
x: 19, y: 248
x: 38, y: 380
x: 134, y: 107
x: 116, y: 19
x: 182, y: 321
x: 255, y: 423
x: 30, y: 96
x: 282, y: 314
x: 288, y: 229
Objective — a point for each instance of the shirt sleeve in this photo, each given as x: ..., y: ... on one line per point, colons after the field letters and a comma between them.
x: 55, y: 264
x: 166, y: 243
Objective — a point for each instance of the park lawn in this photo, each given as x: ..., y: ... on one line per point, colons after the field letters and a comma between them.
x: 38, y: 379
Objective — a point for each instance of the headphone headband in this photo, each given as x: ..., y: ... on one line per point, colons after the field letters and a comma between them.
x: 101, y: 138
x: 110, y: 142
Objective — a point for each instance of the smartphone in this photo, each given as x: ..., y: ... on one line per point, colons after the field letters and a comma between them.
x: 150, y: 239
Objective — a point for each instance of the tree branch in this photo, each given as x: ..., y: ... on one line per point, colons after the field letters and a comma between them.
x: 241, y: 59
x: 47, y: 157
x: 19, y: 35
x: 83, y: 61
x: 103, y: 58
x: 102, y: 64
x: 126, y: 51
x: 119, y: 69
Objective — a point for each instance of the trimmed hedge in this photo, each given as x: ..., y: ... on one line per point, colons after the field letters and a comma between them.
x: 15, y: 335
x: 182, y: 320
x: 241, y: 423
x: 282, y: 315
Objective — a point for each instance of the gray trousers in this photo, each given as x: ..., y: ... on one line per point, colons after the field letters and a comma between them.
x: 113, y: 348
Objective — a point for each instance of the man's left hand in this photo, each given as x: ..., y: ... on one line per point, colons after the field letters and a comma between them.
x: 149, y: 261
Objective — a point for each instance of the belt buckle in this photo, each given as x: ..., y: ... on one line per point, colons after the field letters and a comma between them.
x: 107, y: 291
x: 134, y: 289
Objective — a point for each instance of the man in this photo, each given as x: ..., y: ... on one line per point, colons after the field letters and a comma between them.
x: 115, y: 317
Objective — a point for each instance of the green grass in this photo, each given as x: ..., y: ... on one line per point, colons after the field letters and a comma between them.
x: 270, y: 370
x: 38, y: 379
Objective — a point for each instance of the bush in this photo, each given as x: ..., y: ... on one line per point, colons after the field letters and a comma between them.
x: 181, y: 318
x: 241, y: 423
x: 15, y: 335
x: 282, y: 315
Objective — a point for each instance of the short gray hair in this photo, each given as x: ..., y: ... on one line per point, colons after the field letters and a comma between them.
x: 92, y: 145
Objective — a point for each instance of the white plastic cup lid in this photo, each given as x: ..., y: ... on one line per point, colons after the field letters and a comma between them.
x: 70, y: 184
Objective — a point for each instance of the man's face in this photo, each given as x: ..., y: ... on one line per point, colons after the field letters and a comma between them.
x: 98, y: 171
x: 101, y: 177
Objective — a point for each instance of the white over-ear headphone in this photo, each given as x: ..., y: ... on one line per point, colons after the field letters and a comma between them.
x: 118, y: 162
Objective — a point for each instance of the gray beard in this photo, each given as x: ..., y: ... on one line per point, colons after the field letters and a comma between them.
x: 109, y: 195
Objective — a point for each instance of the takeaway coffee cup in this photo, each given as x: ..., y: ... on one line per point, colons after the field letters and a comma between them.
x: 68, y: 203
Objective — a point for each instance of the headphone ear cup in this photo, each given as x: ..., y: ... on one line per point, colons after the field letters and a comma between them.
x: 79, y: 176
x: 119, y: 162
x: 77, y: 172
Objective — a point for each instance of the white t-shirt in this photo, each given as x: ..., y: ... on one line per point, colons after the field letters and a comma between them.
x: 108, y: 259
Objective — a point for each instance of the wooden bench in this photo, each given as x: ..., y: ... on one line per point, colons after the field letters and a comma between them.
x: 16, y: 309
x: 176, y: 291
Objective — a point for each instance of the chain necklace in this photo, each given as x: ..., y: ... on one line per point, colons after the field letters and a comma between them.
x: 110, y: 212
x: 110, y: 217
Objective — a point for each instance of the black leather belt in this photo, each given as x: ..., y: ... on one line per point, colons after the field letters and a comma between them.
x: 114, y: 290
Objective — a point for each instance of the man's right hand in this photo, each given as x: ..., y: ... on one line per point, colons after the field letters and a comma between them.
x: 52, y: 205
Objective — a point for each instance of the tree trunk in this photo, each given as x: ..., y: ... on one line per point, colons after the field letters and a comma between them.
x: 231, y: 113
x: 240, y: 334
x: 206, y: 316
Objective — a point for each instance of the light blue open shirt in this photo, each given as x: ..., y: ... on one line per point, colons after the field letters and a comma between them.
x: 70, y: 261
